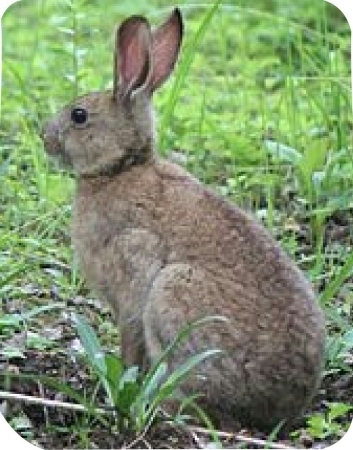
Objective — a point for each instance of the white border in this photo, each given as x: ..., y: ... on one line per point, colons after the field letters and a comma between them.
x: 9, y: 438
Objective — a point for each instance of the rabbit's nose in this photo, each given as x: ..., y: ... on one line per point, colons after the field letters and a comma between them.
x: 49, y: 132
x: 50, y: 135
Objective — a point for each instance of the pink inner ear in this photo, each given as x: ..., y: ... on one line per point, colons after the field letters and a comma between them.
x: 134, y: 48
x: 166, y: 42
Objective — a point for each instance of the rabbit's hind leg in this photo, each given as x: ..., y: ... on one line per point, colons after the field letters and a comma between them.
x: 180, y: 295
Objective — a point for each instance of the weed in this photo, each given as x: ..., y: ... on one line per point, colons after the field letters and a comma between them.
x: 137, y: 398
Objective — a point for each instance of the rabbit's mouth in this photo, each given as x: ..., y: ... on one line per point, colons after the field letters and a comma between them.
x: 54, y: 148
x: 61, y: 160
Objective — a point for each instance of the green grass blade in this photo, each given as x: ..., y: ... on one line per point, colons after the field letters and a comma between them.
x: 90, y: 343
x: 95, y: 353
x: 334, y: 286
x: 184, y: 68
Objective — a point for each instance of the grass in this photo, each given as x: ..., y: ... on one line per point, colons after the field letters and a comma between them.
x: 137, y: 398
x: 260, y: 111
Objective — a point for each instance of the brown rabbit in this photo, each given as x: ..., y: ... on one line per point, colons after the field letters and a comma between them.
x: 164, y: 250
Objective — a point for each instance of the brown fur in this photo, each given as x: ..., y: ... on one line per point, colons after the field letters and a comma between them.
x: 164, y: 251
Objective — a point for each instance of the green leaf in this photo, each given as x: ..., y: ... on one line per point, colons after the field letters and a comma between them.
x: 115, y: 368
x: 129, y: 376
x: 147, y: 394
x: 91, y: 344
x: 317, y: 426
x: 128, y: 390
x: 95, y: 355
x: 184, y: 333
x: 283, y: 152
x: 184, y: 369
x: 338, y: 409
x: 347, y: 341
x: 152, y: 384
x: 10, y: 321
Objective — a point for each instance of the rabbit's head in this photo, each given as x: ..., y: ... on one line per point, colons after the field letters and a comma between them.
x: 105, y: 132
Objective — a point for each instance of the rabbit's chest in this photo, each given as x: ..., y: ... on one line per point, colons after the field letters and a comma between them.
x: 116, y: 254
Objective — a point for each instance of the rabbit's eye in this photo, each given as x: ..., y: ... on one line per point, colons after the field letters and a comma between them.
x: 79, y: 116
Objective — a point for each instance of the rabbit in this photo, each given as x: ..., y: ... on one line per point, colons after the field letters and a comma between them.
x: 164, y: 250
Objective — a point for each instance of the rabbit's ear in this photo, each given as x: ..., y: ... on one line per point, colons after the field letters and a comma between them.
x: 166, y: 42
x: 132, y: 58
